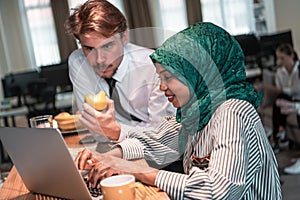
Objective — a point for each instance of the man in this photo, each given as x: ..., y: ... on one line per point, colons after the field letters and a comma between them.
x: 105, y: 57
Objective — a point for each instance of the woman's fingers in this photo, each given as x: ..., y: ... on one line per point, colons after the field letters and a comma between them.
x: 97, y: 173
x: 84, y: 159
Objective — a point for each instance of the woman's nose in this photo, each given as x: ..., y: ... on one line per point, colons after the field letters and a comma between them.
x: 163, y: 87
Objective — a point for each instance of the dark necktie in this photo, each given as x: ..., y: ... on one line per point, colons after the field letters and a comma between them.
x: 111, y: 83
x: 114, y: 95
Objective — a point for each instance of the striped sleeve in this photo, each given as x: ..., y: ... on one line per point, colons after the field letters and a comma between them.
x: 132, y: 149
x: 172, y: 183
x: 153, y: 143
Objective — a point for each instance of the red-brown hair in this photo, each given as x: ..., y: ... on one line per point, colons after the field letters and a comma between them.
x: 96, y: 16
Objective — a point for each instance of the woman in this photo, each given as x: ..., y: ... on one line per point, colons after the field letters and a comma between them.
x: 217, y: 131
x: 288, y: 85
x: 289, y: 107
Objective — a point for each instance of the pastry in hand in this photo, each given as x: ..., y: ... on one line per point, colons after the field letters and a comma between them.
x: 97, y: 101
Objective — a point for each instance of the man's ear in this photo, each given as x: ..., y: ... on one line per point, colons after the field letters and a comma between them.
x: 125, y: 37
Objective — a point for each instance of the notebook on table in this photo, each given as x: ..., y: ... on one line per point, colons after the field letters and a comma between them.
x: 44, y: 163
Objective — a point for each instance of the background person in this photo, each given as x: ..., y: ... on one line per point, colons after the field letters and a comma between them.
x: 105, y: 54
x: 288, y: 84
x: 286, y: 108
x: 217, y: 130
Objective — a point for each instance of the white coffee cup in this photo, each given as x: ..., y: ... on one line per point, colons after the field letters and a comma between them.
x: 121, y: 187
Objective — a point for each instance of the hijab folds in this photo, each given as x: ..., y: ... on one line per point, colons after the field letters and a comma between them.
x: 211, y: 63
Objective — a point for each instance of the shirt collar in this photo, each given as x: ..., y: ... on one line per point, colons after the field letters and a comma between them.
x: 123, y: 67
x: 295, y: 69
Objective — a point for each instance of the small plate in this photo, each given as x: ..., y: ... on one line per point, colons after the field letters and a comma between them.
x: 74, y: 131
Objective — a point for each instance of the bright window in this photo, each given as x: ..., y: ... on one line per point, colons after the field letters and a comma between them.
x: 236, y: 16
x: 42, y: 32
x: 173, y: 14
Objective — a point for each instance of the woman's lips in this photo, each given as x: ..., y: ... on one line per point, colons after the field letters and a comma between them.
x: 170, y: 98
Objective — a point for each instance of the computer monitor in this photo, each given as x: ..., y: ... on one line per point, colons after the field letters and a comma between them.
x: 269, y: 43
x: 251, y: 48
x: 249, y: 44
x: 15, y: 84
x: 272, y: 41
x: 57, y: 76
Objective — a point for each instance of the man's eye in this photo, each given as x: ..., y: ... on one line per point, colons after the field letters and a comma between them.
x: 89, y: 48
x: 107, y: 46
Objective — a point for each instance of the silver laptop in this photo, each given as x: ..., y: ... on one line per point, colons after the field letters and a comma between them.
x: 44, y: 163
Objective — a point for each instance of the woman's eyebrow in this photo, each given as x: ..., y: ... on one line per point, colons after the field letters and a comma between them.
x: 162, y: 71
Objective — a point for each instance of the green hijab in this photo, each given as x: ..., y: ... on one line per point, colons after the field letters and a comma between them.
x: 211, y: 63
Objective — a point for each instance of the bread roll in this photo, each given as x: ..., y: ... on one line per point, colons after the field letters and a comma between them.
x: 98, y: 101
x: 67, y: 122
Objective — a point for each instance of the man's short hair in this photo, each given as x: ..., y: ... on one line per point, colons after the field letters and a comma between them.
x: 96, y: 16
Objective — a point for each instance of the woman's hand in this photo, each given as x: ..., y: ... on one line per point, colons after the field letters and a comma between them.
x: 286, y: 107
x: 139, y: 168
x: 92, y: 161
x: 105, y: 165
x: 101, y: 122
x: 98, y: 172
x: 86, y: 159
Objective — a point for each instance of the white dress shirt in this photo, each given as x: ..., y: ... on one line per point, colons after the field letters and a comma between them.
x: 242, y: 164
x: 289, y: 83
x: 137, y: 85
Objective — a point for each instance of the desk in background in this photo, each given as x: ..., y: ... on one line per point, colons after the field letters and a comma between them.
x: 253, y: 74
x: 64, y: 101
x: 8, y: 110
x: 14, y: 188
x: 11, y: 113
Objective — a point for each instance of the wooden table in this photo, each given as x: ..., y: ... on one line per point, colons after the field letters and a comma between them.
x: 14, y: 188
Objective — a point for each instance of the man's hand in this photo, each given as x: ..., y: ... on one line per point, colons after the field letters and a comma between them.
x: 103, y: 122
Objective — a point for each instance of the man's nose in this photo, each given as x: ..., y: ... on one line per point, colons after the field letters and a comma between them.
x: 100, y: 57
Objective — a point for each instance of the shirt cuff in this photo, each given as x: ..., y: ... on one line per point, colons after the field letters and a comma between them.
x: 172, y: 183
x: 122, y: 136
x: 124, y: 132
x: 287, y: 91
x: 298, y: 108
x: 132, y: 149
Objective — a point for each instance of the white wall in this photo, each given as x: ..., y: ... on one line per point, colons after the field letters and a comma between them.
x: 287, y: 13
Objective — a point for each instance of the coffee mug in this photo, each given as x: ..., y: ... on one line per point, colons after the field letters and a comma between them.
x: 121, y: 187
x: 43, y: 121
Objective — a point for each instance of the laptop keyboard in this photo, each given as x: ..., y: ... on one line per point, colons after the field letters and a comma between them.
x: 95, y: 192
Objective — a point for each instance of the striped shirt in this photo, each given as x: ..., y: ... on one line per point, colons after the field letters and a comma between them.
x: 242, y: 164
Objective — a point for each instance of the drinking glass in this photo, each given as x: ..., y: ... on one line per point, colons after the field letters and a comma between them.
x: 42, y: 121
